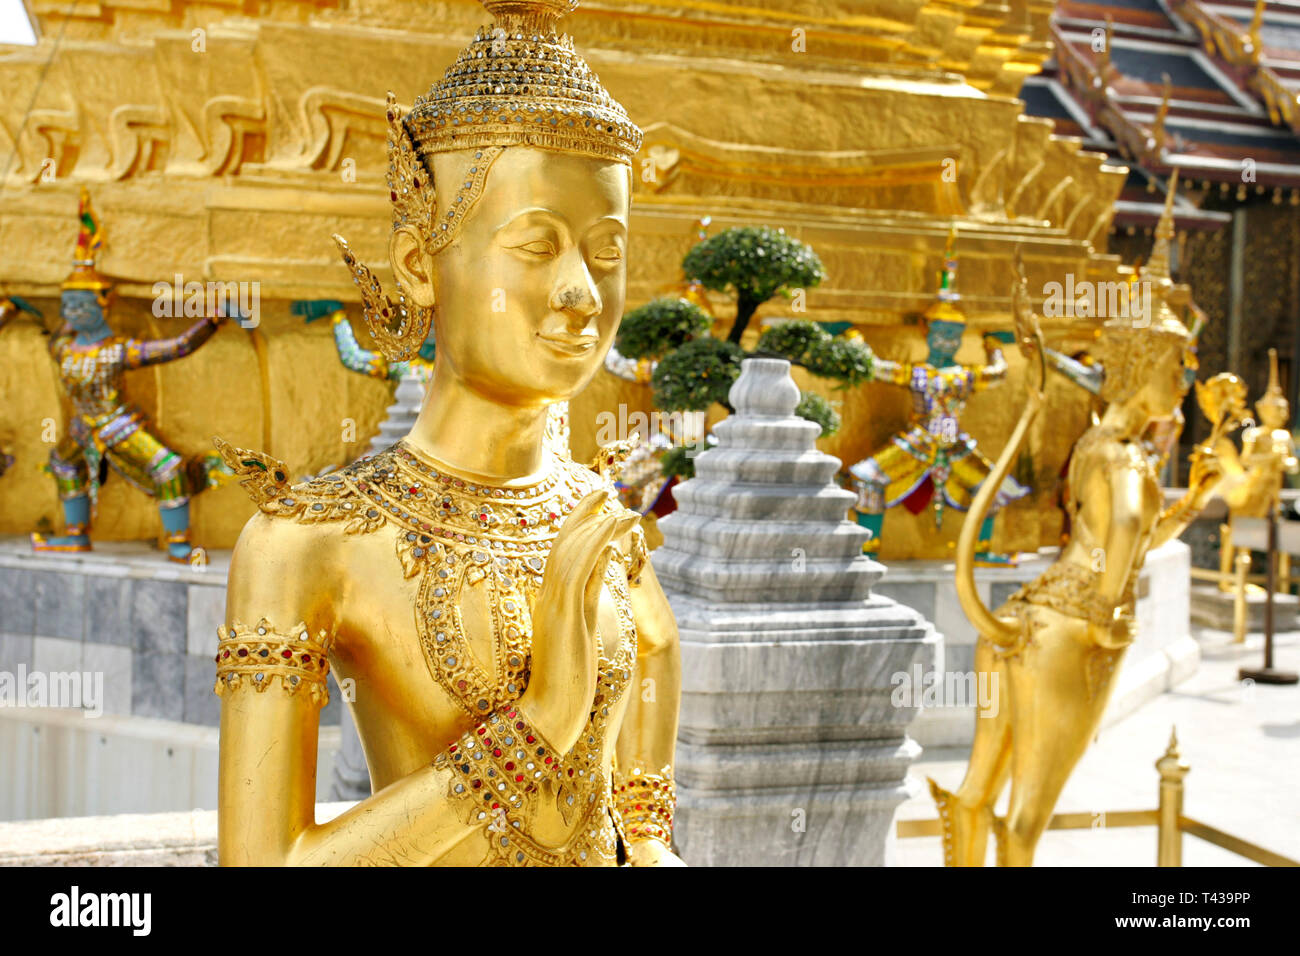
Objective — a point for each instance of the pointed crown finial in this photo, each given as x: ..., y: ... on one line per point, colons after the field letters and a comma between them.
x: 90, y: 239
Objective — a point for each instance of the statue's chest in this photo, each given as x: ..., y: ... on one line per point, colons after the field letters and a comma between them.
x: 477, y: 557
x: 939, y: 391
x: 87, y: 370
x: 474, y: 613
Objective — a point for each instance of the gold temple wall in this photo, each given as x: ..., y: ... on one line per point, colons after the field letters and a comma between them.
x: 239, y: 162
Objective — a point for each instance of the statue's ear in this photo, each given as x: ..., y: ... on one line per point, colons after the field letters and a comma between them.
x: 412, y: 265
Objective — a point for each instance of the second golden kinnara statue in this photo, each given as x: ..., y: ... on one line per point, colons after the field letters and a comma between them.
x: 1057, y: 644
x: 488, y: 599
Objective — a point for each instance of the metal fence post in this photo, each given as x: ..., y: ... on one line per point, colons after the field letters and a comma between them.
x: 1169, y: 850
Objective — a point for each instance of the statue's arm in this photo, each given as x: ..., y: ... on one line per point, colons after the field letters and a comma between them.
x: 890, y: 372
x: 1112, y: 497
x: 269, y: 727
x: 647, y: 740
x: 354, y: 357
x: 142, y: 352
x: 996, y: 369
x: 1213, y: 469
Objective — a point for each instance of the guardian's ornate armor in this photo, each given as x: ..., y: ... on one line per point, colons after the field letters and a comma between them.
x: 105, y: 425
x: 92, y: 364
x: 933, y: 444
x: 932, y: 462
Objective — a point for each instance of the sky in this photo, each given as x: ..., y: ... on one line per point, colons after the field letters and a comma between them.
x: 15, y: 28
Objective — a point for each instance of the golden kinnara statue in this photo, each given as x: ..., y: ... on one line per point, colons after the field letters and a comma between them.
x: 515, y: 661
x: 1267, y: 454
x: 1057, y: 644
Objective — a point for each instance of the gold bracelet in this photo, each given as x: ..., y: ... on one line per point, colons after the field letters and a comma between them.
x: 637, y: 557
x: 645, y: 803
x: 257, y: 655
x: 500, y: 760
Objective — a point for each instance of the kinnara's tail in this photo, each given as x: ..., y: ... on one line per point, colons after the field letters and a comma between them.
x: 998, y: 631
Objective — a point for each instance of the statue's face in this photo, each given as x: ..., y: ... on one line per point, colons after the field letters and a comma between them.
x: 1169, y: 384
x: 944, y: 339
x: 1273, y: 411
x: 530, y: 294
x: 82, y: 310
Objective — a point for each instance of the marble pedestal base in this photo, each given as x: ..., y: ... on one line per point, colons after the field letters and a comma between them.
x: 791, y: 749
x: 1217, y: 609
x: 143, y: 632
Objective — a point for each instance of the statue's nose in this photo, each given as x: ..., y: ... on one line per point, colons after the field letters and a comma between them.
x: 576, y: 295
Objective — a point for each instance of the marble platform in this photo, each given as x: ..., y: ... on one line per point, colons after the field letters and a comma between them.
x: 790, y: 750
x: 1164, y: 653
x: 1216, y: 609
x: 147, y: 628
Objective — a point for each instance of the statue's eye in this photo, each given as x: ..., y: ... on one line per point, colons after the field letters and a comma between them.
x: 538, y: 247
x: 610, y: 254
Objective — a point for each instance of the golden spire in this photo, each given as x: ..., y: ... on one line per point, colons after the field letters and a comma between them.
x: 1273, y: 398
x: 1158, y: 133
x: 1157, y: 266
x: 1256, y: 22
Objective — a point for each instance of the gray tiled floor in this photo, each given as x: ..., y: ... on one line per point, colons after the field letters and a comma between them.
x: 1242, y: 743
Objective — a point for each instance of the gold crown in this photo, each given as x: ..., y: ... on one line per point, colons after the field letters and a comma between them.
x: 1165, y: 321
x: 1130, y: 352
x: 520, y: 83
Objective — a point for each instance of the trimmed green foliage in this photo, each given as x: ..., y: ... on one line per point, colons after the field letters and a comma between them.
x: 660, y: 326
x: 815, y: 408
x: 696, y: 375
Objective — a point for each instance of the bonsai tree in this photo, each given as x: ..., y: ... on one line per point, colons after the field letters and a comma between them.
x: 658, y: 327
x: 695, y: 369
x: 753, y: 263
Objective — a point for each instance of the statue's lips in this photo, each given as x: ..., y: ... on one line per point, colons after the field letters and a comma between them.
x: 569, y: 344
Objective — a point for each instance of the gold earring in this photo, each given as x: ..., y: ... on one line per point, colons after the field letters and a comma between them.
x: 398, y: 331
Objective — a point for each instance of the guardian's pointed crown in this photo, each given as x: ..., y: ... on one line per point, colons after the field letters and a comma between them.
x: 90, y: 239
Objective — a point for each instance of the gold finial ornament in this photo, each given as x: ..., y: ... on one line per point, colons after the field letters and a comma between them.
x: 1157, y: 266
x: 518, y: 83
x: 1272, y: 405
x: 945, y: 308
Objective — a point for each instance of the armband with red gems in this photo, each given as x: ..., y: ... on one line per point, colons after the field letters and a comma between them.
x: 256, y: 656
x: 500, y: 762
x: 645, y: 803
